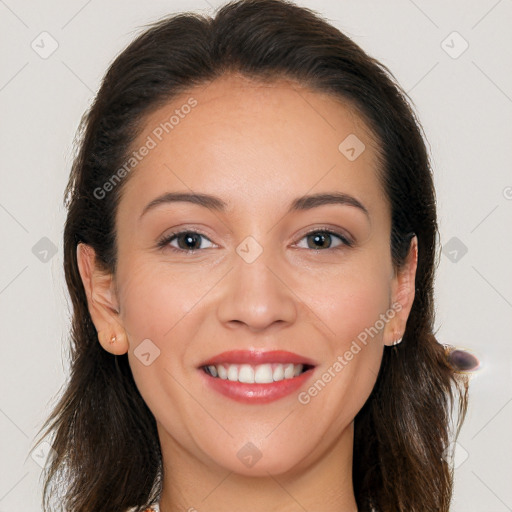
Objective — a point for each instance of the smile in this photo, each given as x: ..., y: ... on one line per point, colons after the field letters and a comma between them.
x: 256, y: 377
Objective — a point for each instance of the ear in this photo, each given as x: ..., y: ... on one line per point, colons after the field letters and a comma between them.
x: 402, y: 295
x: 99, y: 288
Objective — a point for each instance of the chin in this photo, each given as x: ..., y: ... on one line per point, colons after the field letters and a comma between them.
x: 249, y: 460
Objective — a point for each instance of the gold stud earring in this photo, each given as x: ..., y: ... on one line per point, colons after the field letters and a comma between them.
x: 113, y: 339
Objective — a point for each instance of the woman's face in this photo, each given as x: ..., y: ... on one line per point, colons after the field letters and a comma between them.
x: 260, y: 274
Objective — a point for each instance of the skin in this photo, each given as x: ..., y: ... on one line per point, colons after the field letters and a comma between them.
x: 257, y: 147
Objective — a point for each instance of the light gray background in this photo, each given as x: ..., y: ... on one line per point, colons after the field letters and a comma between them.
x: 464, y: 104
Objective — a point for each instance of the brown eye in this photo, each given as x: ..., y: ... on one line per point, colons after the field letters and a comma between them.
x: 323, y: 239
x: 187, y: 241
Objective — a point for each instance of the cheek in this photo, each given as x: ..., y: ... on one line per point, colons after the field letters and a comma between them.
x: 359, y: 310
x: 153, y: 307
x: 354, y: 308
x: 154, y: 300
x: 159, y: 311
x: 350, y: 300
x: 355, y: 313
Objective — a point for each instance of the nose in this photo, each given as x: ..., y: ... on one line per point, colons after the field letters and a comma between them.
x: 256, y: 295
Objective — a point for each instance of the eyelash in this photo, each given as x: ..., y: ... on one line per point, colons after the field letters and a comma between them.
x: 163, y: 242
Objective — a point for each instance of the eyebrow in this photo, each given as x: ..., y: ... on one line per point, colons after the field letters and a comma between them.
x: 216, y: 204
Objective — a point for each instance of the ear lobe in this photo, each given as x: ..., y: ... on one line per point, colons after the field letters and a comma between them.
x: 101, y: 300
x: 404, y: 290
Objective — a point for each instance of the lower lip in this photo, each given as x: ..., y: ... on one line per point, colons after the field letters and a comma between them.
x: 256, y: 393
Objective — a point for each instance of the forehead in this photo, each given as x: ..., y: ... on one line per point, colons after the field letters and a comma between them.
x: 246, y: 140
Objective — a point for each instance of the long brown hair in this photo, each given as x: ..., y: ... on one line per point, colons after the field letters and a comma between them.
x: 107, y: 454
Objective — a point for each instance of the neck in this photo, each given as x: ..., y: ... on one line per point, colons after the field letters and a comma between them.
x: 323, y: 484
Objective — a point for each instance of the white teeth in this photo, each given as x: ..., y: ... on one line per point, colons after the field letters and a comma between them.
x: 246, y: 374
x: 223, y: 373
x: 278, y: 373
x: 263, y: 374
x: 288, y: 371
x: 233, y: 372
x: 259, y: 374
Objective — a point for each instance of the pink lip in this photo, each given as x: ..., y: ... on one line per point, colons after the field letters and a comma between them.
x: 256, y: 357
x: 256, y: 393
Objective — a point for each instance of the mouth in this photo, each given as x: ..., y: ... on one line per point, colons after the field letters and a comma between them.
x: 256, y: 377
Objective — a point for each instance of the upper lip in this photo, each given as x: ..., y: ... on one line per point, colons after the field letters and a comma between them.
x: 256, y: 357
